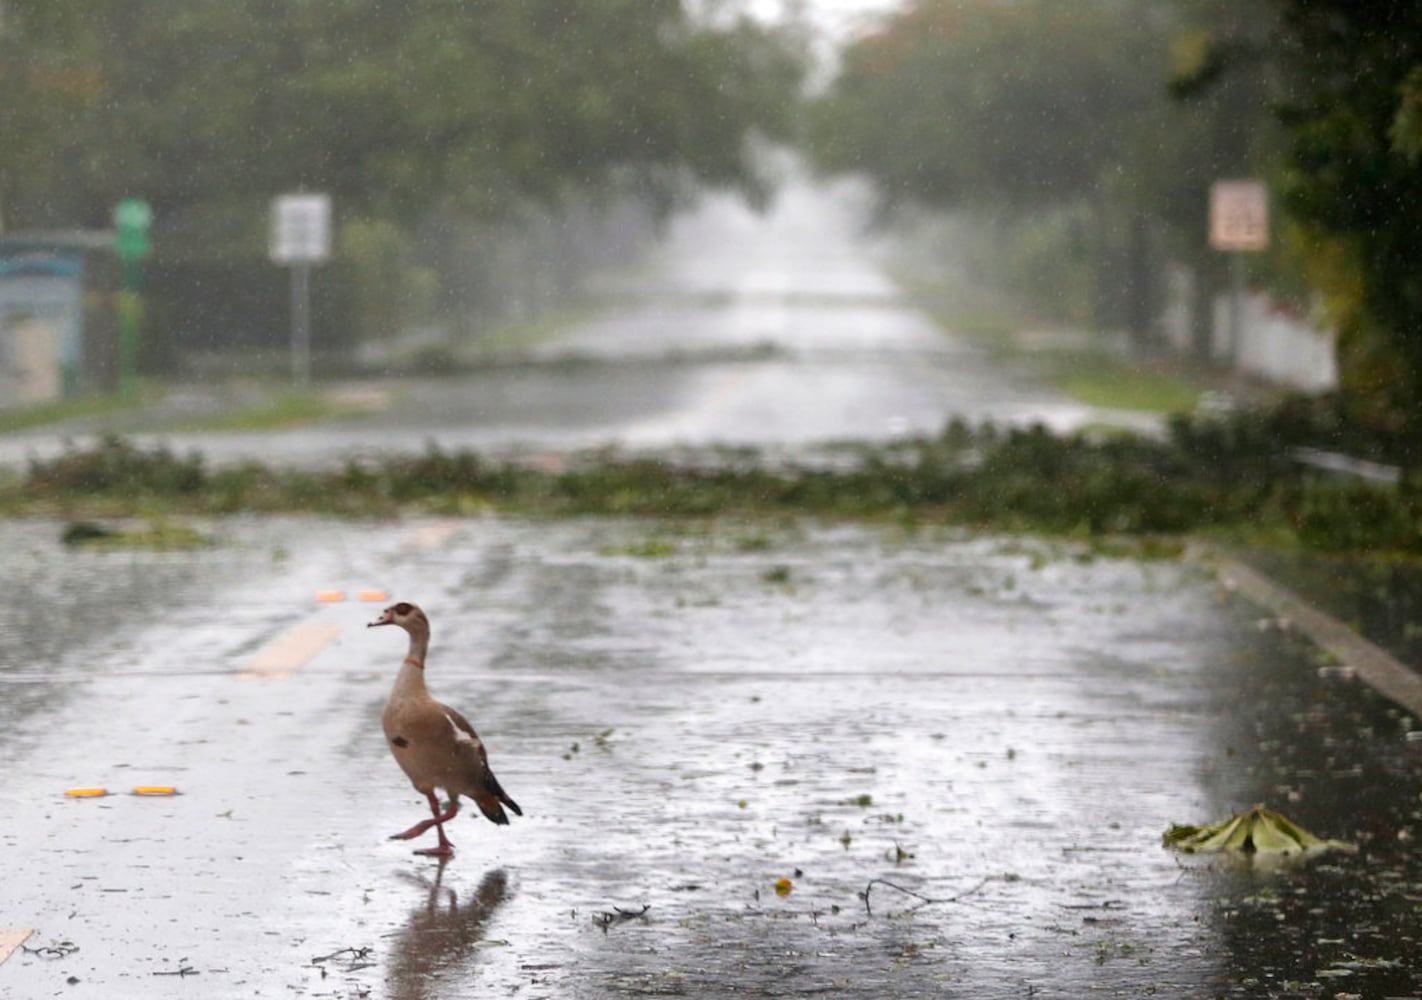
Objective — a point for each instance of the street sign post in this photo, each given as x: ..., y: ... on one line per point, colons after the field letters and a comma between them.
x: 301, y: 237
x: 133, y: 219
x: 1239, y: 224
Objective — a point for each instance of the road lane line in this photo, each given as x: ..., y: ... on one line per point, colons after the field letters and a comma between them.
x: 10, y: 939
x: 291, y: 650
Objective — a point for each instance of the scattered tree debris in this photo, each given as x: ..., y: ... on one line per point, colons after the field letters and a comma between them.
x: 1257, y: 831
x: 59, y: 949
x: 605, y: 919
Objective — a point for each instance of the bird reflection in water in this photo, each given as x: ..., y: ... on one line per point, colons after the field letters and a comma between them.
x: 438, y: 943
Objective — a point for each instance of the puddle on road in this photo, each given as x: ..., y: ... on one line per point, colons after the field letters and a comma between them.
x: 985, y: 737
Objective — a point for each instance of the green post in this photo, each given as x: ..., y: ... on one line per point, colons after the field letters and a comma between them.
x: 132, y: 220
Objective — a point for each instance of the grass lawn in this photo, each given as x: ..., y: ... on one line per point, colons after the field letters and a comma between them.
x: 1099, y: 379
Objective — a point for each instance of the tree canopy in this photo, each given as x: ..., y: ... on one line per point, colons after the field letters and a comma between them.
x: 397, y: 107
x: 973, y: 100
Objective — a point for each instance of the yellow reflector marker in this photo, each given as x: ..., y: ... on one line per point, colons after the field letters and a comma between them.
x: 10, y: 939
x: 85, y: 793
x: 155, y: 790
x: 330, y: 596
x: 374, y: 595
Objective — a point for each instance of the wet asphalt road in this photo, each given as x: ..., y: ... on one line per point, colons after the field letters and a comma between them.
x: 687, y: 716
x: 960, y: 751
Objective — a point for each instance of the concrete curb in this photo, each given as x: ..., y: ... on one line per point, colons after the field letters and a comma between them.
x: 1373, y: 665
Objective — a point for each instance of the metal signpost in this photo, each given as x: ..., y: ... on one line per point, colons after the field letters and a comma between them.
x: 1239, y: 224
x: 301, y: 237
x: 133, y: 218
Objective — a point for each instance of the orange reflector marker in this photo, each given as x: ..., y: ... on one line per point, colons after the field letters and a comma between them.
x: 374, y: 595
x: 11, y: 938
x: 330, y: 596
x: 155, y: 790
x: 85, y: 793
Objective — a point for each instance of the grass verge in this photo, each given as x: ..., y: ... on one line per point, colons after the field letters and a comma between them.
x: 60, y: 410
x: 1076, y: 363
x: 1103, y: 380
x: 283, y: 410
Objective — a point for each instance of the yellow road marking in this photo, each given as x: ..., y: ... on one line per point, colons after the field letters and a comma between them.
x: 433, y: 535
x: 85, y: 793
x: 291, y: 650
x: 10, y: 939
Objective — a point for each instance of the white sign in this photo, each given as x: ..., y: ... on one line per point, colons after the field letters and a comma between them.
x: 301, y: 228
x: 1239, y: 215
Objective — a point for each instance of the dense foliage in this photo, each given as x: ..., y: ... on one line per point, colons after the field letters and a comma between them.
x: 1354, y: 121
x: 1025, y: 104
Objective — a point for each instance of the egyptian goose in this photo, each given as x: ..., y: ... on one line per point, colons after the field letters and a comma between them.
x: 433, y: 744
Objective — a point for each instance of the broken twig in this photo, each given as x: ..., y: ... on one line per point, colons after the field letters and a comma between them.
x: 182, y: 971
x: 923, y: 900
x: 604, y: 919
x: 57, y: 950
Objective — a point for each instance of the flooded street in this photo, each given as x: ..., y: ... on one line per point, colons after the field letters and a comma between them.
x: 760, y: 758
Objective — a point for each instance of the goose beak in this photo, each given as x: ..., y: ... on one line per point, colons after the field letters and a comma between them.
x: 386, y: 618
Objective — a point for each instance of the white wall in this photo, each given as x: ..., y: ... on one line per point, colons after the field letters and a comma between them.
x: 1275, y: 345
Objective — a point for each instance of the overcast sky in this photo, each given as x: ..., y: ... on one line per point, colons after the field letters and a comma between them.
x: 837, y: 17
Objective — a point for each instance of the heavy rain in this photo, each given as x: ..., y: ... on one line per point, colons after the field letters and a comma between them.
x: 873, y: 499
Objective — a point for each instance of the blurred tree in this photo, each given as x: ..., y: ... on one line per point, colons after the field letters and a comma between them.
x: 48, y: 76
x: 1353, y: 116
x: 1019, y: 107
x: 1024, y: 103
x: 397, y: 108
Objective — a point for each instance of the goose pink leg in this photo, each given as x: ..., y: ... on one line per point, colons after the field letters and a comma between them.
x: 437, y: 821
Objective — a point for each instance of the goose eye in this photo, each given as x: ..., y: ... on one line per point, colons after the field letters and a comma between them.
x: 403, y: 608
